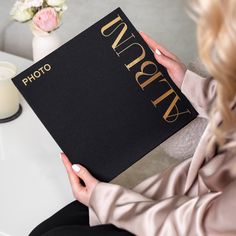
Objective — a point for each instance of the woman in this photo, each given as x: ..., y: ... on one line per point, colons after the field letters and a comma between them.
x: 195, y: 197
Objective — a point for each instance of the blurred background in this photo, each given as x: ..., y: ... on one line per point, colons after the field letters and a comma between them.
x: 166, y: 21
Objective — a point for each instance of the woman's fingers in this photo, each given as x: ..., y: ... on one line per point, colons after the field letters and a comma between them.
x: 73, y: 178
x: 75, y: 173
x: 67, y: 164
x: 154, y: 45
x: 168, y: 63
x: 84, y: 174
x: 175, y: 68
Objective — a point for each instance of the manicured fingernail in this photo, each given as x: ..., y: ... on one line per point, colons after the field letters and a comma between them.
x: 157, y: 51
x: 76, y: 168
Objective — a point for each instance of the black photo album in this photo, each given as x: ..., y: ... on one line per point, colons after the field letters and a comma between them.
x: 104, y: 98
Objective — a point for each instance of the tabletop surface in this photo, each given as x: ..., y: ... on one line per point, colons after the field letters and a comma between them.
x: 33, y: 181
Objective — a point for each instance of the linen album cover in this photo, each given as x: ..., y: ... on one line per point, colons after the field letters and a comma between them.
x: 104, y: 98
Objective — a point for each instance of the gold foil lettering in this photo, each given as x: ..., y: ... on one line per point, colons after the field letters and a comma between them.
x: 168, y: 116
x: 117, y: 42
x: 47, y: 67
x: 107, y: 26
x: 143, y: 76
x: 155, y: 75
x: 41, y: 70
x: 36, y: 74
x: 132, y: 36
x: 30, y: 78
x: 138, y: 59
x: 25, y: 81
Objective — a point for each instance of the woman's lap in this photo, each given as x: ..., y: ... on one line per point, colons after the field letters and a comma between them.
x: 73, y: 219
x: 72, y: 214
x: 74, y: 230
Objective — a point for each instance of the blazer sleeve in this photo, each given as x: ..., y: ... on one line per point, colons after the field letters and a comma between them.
x: 208, y: 214
x: 200, y: 91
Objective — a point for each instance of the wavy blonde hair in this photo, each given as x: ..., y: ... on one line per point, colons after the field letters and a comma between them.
x: 216, y: 35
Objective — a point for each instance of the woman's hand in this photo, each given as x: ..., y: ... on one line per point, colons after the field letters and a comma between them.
x: 75, y: 173
x: 175, y: 68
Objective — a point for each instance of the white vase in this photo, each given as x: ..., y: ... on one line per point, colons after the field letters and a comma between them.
x: 43, y: 44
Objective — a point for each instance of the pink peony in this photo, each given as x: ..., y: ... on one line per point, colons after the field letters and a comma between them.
x: 46, y: 19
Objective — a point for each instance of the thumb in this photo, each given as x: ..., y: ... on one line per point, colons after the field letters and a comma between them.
x: 84, y: 174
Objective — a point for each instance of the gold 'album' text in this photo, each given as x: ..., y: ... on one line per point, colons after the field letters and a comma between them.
x: 144, y: 78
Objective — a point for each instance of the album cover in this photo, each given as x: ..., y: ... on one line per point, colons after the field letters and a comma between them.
x: 104, y: 98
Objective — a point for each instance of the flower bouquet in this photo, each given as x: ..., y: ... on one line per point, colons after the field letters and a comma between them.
x: 45, y: 14
x: 44, y: 17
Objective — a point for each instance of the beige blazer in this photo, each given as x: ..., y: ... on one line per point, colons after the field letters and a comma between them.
x: 195, y: 197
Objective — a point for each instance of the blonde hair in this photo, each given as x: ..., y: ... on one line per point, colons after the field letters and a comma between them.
x: 216, y: 35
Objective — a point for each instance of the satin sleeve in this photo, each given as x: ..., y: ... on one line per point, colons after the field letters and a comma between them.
x: 200, y: 91
x: 208, y: 214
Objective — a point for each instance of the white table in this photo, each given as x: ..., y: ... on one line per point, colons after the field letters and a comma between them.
x: 33, y: 181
